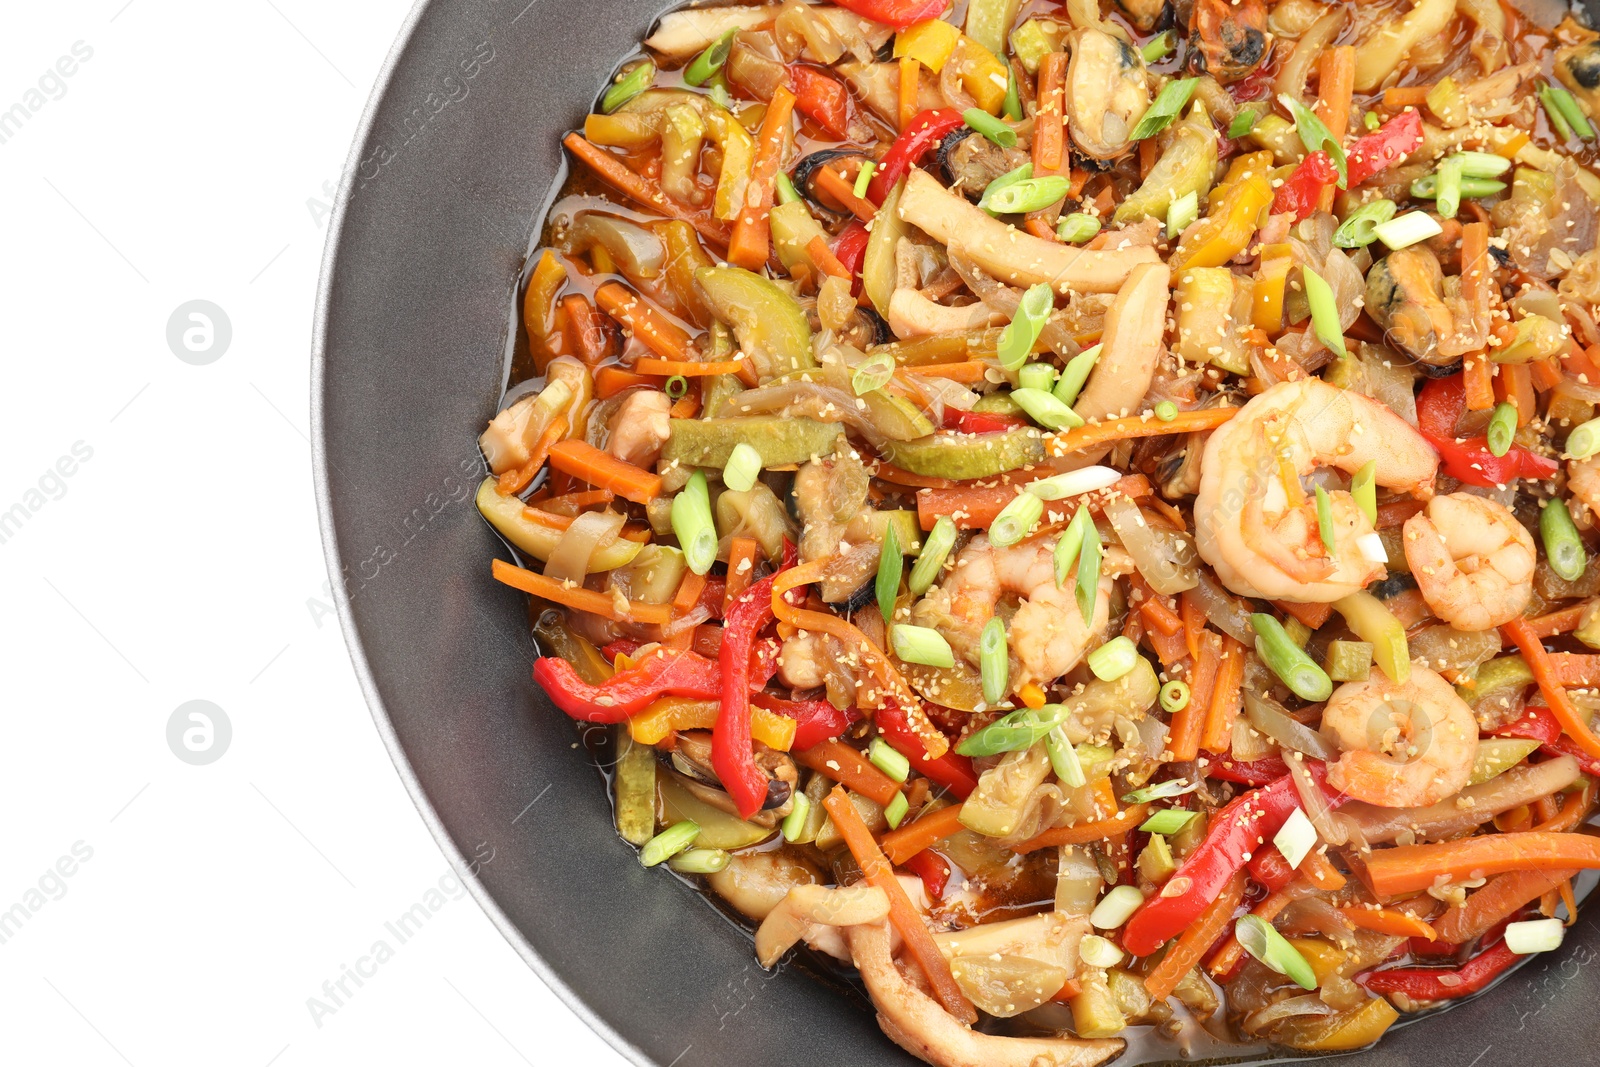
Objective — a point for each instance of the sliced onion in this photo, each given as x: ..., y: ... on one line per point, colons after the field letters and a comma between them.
x: 589, y: 532
x: 1444, y: 648
x: 1278, y: 725
x: 1223, y: 609
x: 1472, y: 806
x: 1288, y: 1008
x: 1166, y: 558
x: 1315, y: 803
x: 1312, y: 43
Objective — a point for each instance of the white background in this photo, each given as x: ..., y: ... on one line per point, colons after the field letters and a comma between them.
x: 192, y: 156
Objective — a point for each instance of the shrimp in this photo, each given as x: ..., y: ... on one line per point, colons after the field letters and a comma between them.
x: 1256, y: 524
x: 1047, y: 633
x: 1473, y: 561
x: 640, y: 427
x: 1583, y: 479
x: 1406, y: 744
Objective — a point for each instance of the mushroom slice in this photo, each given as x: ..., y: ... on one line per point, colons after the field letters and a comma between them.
x: 917, y: 1023
x: 1107, y: 93
x: 807, y: 907
x: 1132, y: 345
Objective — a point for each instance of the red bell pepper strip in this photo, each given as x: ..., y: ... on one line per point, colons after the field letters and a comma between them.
x: 980, y: 421
x: 851, y: 249
x: 1258, y: 772
x: 1539, y: 723
x: 1468, y: 459
x: 1436, y: 983
x: 731, y: 756
x: 1269, y: 868
x: 665, y: 672
x: 933, y: 869
x: 822, y: 98
x: 954, y: 772
x: 1237, y: 832
x: 1383, y: 147
x: 1299, y: 193
x: 896, y: 13
x: 816, y: 721
x: 927, y: 129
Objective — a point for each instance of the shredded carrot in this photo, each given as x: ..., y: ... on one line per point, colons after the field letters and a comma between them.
x: 515, y: 481
x: 1478, y: 375
x: 1476, y: 281
x: 582, y: 460
x: 1193, y: 615
x: 686, y: 406
x: 1575, y: 669
x: 1500, y: 898
x: 1049, y: 140
x: 1511, y: 147
x: 1270, y: 908
x: 589, y: 337
x: 1313, y: 615
x: 1035, y: 223
x: 609, y: 381
x: 1538, y: 660
x: 1083, y: 833
x: 616, y: 174
x: 845, y: 764
x: 825, y: 261
x: 751, y: 240
x: 834, y: 184
x: 1565, y: 889
x: 689, y: 591
x: 687, y: 368
x: 1032, y: 696
x: 1320, y: 872
x: 1573, y: 811
x: 919, y: 943
x: 1335, y: 82
x: 1189, y: 721
x: 659, y: 333
x: 1402, y: 97
x: 1147, y: 425
x: 1545, y: 373
x: 1226, y: 699
x: 910, y: 91
x: 1410, y: 868
x: 742, y: 555
x: 967, y: 373
x: 888, y: 472
x: 578, y: 597
x: 1387, y: 921
x: 1196, y: 940
x: 1158, y: 613
x: 572, y: 503
x: 900, y: 845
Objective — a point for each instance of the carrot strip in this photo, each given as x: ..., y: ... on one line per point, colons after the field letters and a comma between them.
x: 824, y: 260
x: 1500, y: 898
x: 888, y: 472
x: 1032, y: 696
x: 919, y: 942
x: 1546, y: 373
x: 1567, y: 898
x: 659, y: 333
x: 589, y: 337
x: 1478, y: 376
x: 616, y: 174
x: 689, y: 591
x: 1189, y: 721
x: 847, y: 766
x: 1270, y: 908
x: 1049, y: 141
x: 1226, y: 699
x: 572, y: 503
x: 1085, y: 832
x: 969, y: 507
x: 1313, y: 615
x: 1034, y: 222
x: 1410, y: 868
x: 967, y: 373
x: 609, y: 381
x: 751, y: 240
x: 833, y: 183
x: 515, y: 481
x: 900, y: 845
x: 742, y: 553
x: 1159, y: 615
x: 1538, y: 660
x: 1575, y: 669
x: 1099, y: 433
x: 910, y: 90
x: 687, y: 368
x: 1336, y: 77
x: 686, y: 406
x: 582, y: 460
x: 1194, y: 622
x: 1321, y: 872
x: 1387, y: 921
x: 1187, y: 951
x: 1402, y: 97
x: 577, y: 597
x: 1573, y: 810
x: 1476, y: 278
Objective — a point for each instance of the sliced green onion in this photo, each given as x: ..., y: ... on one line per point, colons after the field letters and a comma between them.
x: 699, y: 861
x: 1296, y: 839
x: 1325, y: 520
x: 1028, y: 194
x: 1172, y: 99
x: 864, y: 178
x: 1097, y: 951
x: 1002, y: 183
x: 994, y: 661
x: 1324, y: 312
x: 1564, y: 103
x: 1172, y: 787
x: 1166, y: 411
x: 1070, y: 545
x: 692, y: 523
x: 1449, y: 188
x: 891, y: 565
x: 1114, y: 659
x: 1017, y: 519
x: 1535, y: 935
x: 710, y: 61
x: 1558, y: 121
x: 786, y: 192
x: 794, y: 823
x: 1502, y: 428
x: 1018, y: 338
x: 669, y: 842
x: 1167, y: 821
x: 1174, y: 696
x: 935, y: 549
x: 1012, y: 108
x: 1088, y: 568
x: 921, y: 644
x: 982, y: 122
x: 1584, y: 441
x: 1037, y: 376
x: 895, y: 813
x: 1563, y: 547
x: 1408, y: 229
x: 630, y: 85
x: 1360, y: 229
x: 1073, y: 483
x: 1181, y: 212
x: 744, y: 466
x: 1014, y: 732
x: 1064, y: 759
x: 720, y: 95
x: 1075, y: 373
x: 1077, y: 227
x: 1044, y: 409
x: 1288, y: 660
x: 1364, y: 487
x: 1314, y: 135
x: 1116, y: 907
x: 1261, y: 940
x: 1482, y: 164
x: 1243, y: 122
x: 872, y: 373
x: 677, y: 387
x: 887, y: 760
x: 1158, y: 47
x: 1371, y: 120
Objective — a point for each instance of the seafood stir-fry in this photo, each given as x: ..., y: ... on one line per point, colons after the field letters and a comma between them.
x: 1084, y: 516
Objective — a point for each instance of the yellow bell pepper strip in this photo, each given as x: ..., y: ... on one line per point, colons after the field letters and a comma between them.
x: 983, y: 76
x: 539, y: 303
x: 1227, y: 230
x: 1357, y: 1030
x: 1374, y: 623
x: 1266, y: 311
x: 930, y: 43
x: 738, y: 159
x: 671, y: 714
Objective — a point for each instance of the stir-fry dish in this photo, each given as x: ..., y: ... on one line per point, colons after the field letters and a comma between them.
x: 1084, y: 515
